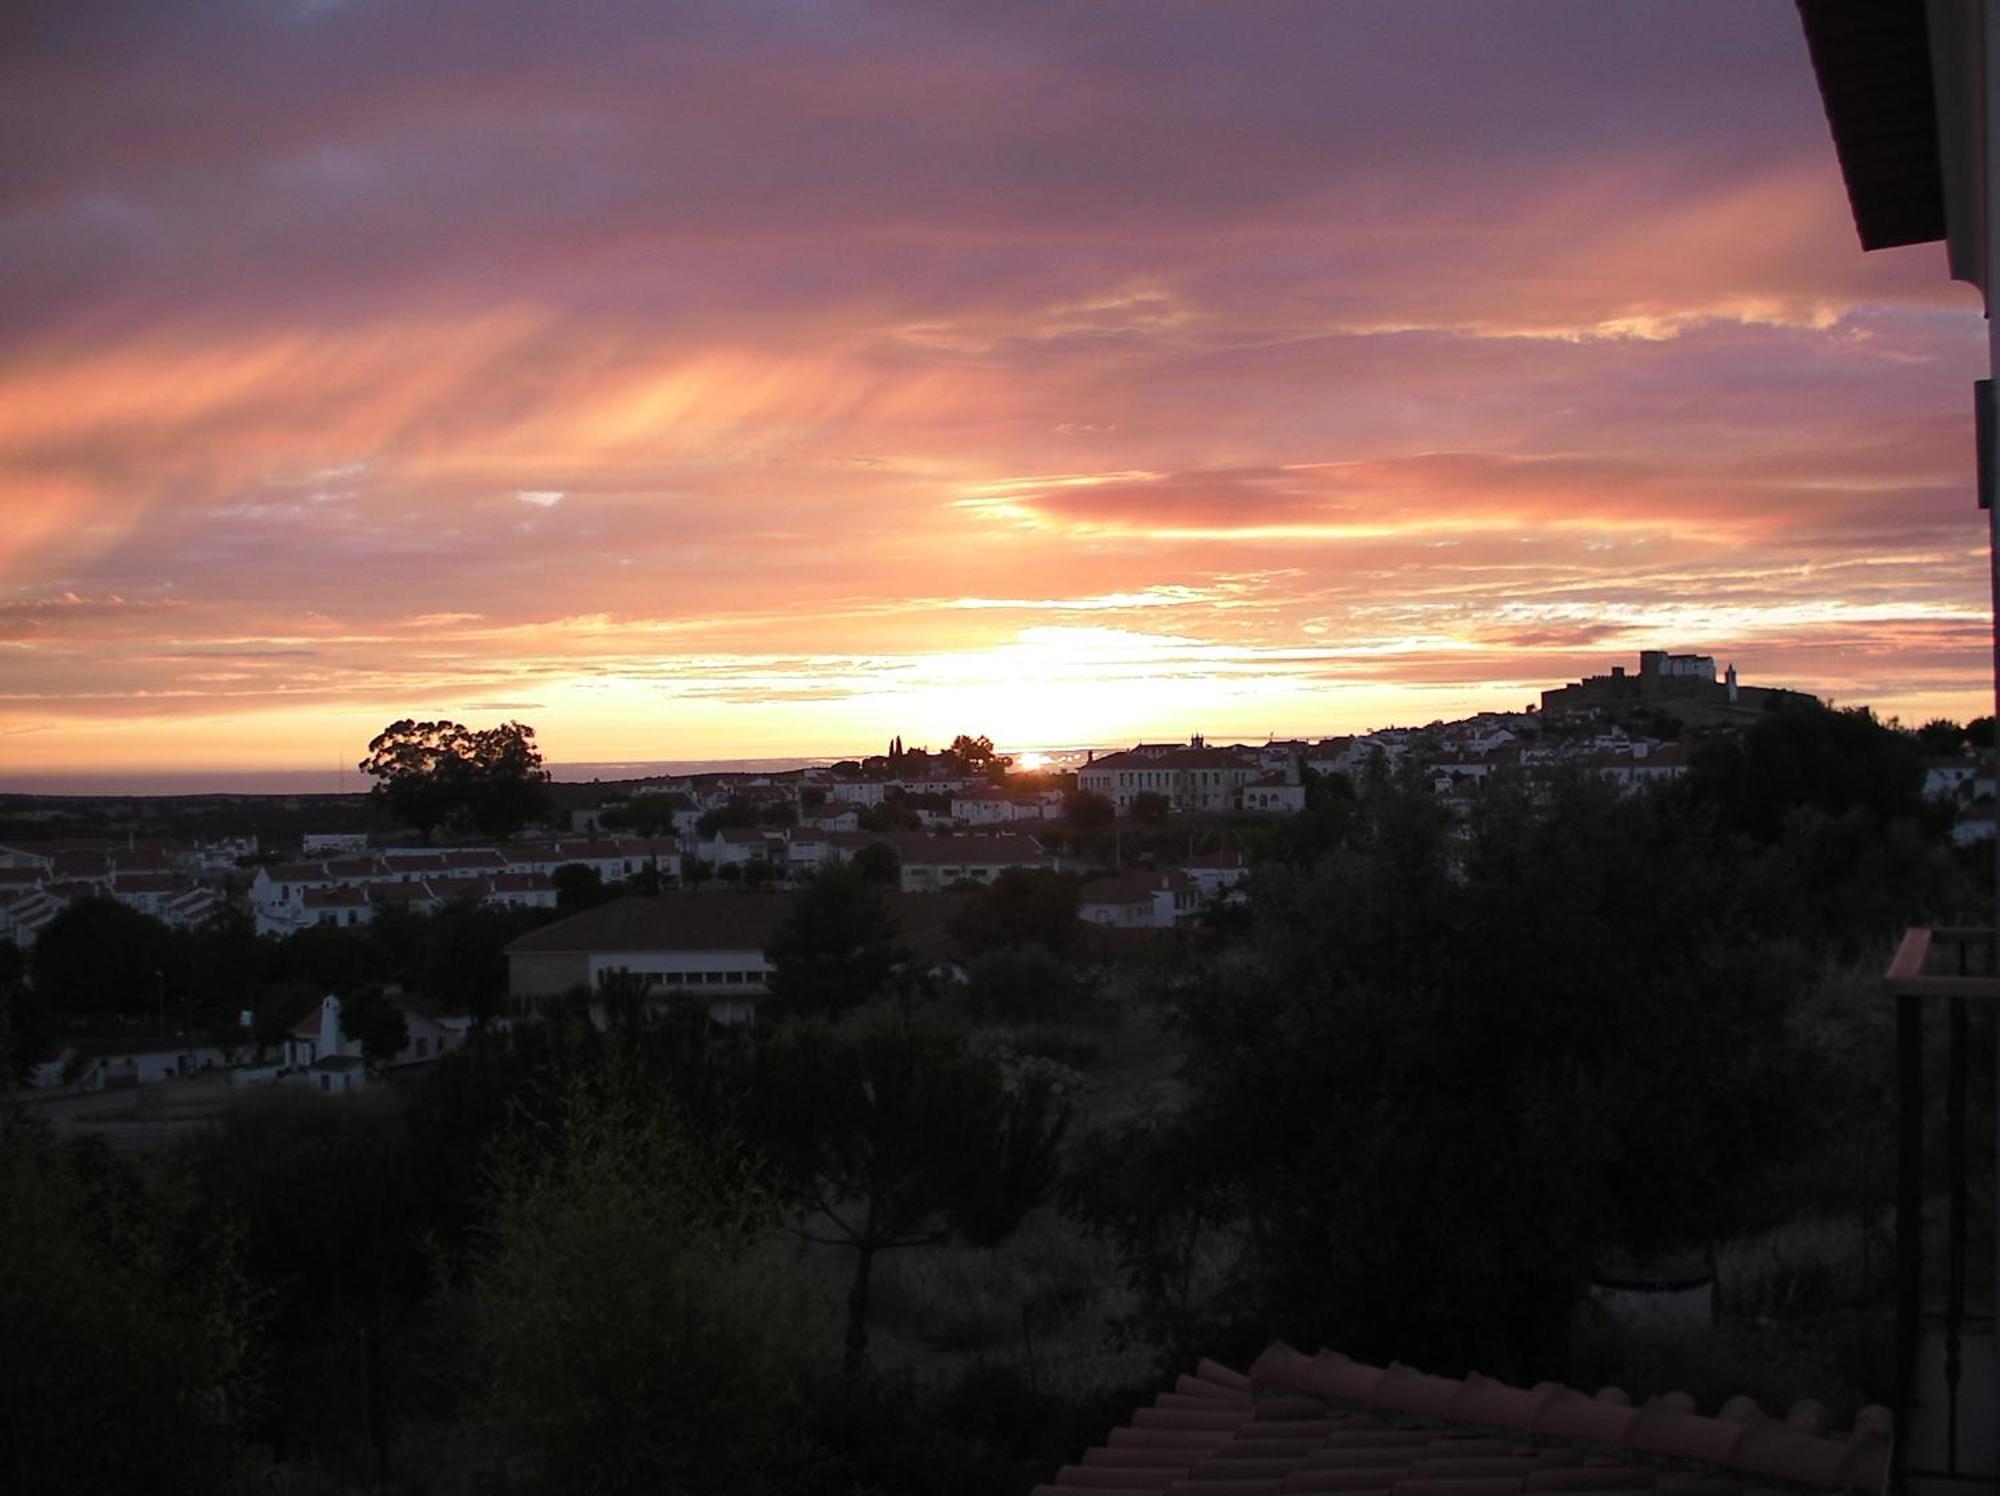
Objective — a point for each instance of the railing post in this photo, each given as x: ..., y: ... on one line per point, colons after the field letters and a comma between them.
x: 1954, y: 1148
x: 1909, y: 1212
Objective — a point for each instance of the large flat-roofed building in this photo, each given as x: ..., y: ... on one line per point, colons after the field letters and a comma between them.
x: 701, y: 947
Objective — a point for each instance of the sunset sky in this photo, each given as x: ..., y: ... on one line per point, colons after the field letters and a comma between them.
x: 769, y: 377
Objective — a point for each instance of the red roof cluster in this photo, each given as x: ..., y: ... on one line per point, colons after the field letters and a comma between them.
x: 1326, y: 1423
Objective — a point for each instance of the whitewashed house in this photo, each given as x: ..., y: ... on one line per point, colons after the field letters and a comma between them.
x: 932, y: 864
x: 1275, y: 794
x: 1141, y: 901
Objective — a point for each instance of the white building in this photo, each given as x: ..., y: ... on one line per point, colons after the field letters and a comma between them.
x: 1194, y: 778
x: 1141, y: 901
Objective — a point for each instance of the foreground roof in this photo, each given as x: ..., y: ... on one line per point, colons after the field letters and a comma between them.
x: 1326, y: 1423
x: 1873, y: 62
x: 712, y: 922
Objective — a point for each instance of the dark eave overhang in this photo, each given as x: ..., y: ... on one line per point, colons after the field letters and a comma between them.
x: 1873, y: 61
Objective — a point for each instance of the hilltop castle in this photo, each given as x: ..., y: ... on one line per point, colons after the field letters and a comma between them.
x: 1662, y: 677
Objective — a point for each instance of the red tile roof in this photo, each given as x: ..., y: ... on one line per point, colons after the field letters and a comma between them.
x: 1134, y: 888
x: 148, y: 882
x: 914, y: 848
x: 1326, y: 1423
x: 297, y: 872
x: 706, y: 922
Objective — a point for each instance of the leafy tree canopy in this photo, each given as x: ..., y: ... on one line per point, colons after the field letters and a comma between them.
x: 1808, y: 755
x: 1940, y: 736
x: 1089, y: 811
x: 836, y: 949
x: 1021, y: 907
x: 132, y: 1331
x: 579, y: 886
x: 378, y: 1023
x: 624, y: 1336
x: 1570, y: 1025
x: 1021, y: 984
x: 879, y: 864
x: 98, y: 956
x: 432, y: 774
x: 891, y: 1131
x: 737, y: 814
x: 642, y: 815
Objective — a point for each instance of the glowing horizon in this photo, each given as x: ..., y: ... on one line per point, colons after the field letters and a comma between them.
x: 768, y: 380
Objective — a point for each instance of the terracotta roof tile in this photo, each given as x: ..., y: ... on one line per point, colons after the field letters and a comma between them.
x: 1594, y: 1420
x: 1494, y: 1486
x: 1379, y: 1479
x: 1326, y: 1423
x: 1582, y: 1478
x: 1664, y: 1430
x: 1190, y: 1419
x: 1482, y: 1400
x: 1809, y: 1417
x: 1407, y: 1390
x: 1175, y: 1460
x: 1141, y: 1435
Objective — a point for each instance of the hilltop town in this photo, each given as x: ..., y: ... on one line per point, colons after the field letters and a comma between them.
x: 940, y: 820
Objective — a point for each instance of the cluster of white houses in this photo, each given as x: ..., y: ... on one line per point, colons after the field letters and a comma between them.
x: 343, y: 891
x: 318, y: 1052
x: 40, y: 880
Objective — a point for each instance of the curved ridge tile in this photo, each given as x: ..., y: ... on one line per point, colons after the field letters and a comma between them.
x: 1333, y: 1375
x: 1279, y: 1368
x: 1595, y: 1420
x: 1784, y: 1453
x: 1669, y: 1431
x: 1742, y: 1409
x: 1481, y: 1399
x: 1866, y: 1467
x: 1407, y: 1390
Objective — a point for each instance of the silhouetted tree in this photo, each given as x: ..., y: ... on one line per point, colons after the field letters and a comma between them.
x: 1940, y: 736
x: 378, y: 1023
x: 579, y: 886
x: 1021, y: 984
x: 879, y: 864
x: 1021, y: 907
x: 1571, y: 1019
x: 642, y: 815
x: 1151, y: 807
x: 333, y: 1203
x: 1805, y: 755
x: 24, y: 1029
x: 430, y: 773
x: 132, y: 1332
x: 738, y: 814
x: 623, y: 1334
x: 836, y: 948
x: 97, y: 956
x: 891, y: 1131
x: 1087, y: 810
x: 974, y: 751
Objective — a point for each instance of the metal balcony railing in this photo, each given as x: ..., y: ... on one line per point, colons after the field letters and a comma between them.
x: 1945, y: 1374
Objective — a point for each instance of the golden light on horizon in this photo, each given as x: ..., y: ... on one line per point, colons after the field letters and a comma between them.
x: 683, y: 455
